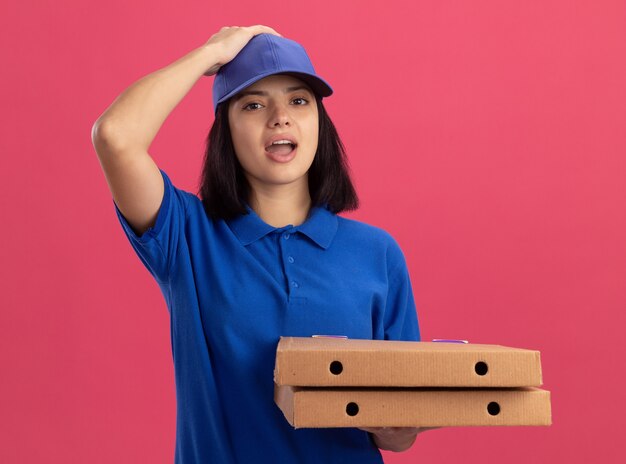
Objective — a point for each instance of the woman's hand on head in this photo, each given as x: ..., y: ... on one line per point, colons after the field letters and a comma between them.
x: 229, y: 41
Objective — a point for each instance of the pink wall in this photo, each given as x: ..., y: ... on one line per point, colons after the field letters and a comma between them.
x: 486, y: 136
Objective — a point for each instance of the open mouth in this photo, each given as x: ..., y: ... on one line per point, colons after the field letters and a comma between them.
x: 281, y: 149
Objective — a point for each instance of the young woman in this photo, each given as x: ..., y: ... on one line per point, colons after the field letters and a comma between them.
x: 262, y: 254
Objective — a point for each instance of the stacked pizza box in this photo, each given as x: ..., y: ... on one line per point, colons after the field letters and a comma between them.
x: 340, y: 382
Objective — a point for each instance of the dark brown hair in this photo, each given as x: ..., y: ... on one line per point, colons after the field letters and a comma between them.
x: 224, y: 189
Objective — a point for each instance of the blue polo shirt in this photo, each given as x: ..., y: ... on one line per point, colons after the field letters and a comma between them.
x: 232, y: 288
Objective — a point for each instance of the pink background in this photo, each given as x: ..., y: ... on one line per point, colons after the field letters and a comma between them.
x: 486, y: 136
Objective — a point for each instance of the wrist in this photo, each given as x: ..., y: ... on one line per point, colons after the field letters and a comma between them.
x: 212, y: 57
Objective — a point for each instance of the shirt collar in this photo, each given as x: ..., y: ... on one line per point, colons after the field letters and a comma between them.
x: 320, y: 226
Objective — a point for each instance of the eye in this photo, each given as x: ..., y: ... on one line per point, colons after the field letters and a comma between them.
x: 246, y: 107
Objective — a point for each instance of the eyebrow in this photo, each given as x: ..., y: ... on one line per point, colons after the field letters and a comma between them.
x: 265, y: 94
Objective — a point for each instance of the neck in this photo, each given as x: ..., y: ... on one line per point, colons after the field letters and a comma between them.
x: 281, y: 205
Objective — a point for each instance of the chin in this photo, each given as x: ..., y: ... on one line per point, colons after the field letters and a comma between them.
x: 281, y: 178
x: 284, y: 180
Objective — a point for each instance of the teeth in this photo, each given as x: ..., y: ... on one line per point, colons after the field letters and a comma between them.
x: 282, y: 142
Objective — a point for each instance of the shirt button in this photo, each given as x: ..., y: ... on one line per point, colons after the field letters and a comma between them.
x: 294, y: 283
x: 286, y: 236
x: 290, y: 259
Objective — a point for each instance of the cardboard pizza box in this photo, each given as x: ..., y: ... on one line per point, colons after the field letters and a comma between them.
x: 335, y: 362
x: 307, y: 407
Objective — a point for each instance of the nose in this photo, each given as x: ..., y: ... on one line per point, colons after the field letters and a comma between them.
x: 280, y: 116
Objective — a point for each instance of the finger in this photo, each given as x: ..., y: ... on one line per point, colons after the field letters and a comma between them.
x: 261, y: 28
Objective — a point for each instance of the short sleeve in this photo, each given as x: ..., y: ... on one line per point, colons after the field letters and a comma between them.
x: 157, y: 246
x: 400, y: 319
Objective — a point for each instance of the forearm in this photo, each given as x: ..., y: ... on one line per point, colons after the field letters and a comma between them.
x: 136, y: 115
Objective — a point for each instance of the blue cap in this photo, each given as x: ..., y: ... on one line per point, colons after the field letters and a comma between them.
x: 266, y: 54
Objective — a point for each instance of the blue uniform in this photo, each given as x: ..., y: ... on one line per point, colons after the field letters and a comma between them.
x: 234, y: 287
